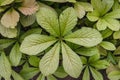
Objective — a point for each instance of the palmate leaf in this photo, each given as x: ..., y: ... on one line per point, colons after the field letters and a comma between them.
x: 48, y: 21
x: 5, y: 68
x: 8, y: 32
x: 68, y: 20
x: 87, y: 37
x: 15, y: 55
x: 50, y: 61
x: 71, y: 61
x: 29, y: 7
x: 10, y: 18
x: 36, y: 43
x: 5, y: 2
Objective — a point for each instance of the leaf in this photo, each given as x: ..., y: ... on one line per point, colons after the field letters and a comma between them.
x: 87, y: 37
x: 94, y: 58
x: 16, y: 76
x: 100, y: 64
x: 15, y: 55
x: 114, y: 14
x: 112, y: 24
x: 36, y: 43
x: 29, y: 32
x: 68, y: 20
x: 5, y: 2
x: 114, y: 75
x: 41, y: 77
x: 101, y: 24
x: 86, y: 75
x: 28, y: 72
x: 27, y: 20
x: 34, y: 61
x: 71, y: 61
x: 29, y: 7
x: 48, y: 21
x: 8, y: 32
x: 5, y: 67
x: 117, y: 51
x: 10, y: 18
x: 107, y: 45
x: 96, y: 75
x: 87, y: 51
x: 50, y: 61
x: 4, y: 43
x: 50, y: 77
x: 93, y: 16
x: 60, y: 1
x: 116, y: 35
x: 60, y: 72
x: 106, y: 33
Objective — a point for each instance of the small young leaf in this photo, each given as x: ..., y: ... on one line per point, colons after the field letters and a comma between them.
x: 27, y: 20
x: 94, y: 58
x: 114, y: 75
x: 36, y: 43
x: 96, y: 75
x: 87, y: 37
x: 5, y: 68
x: 106, y: 33
x: 50, y: 77
x: 29, y: 7
x: 71, y: 61
x: 101, y: 24
x: 8, y: 32
x: 15, y: 55
x: 10, y: 18
x: 50, y: 61
x: 116, y: 35
x: 86, y: 75
x: 107, y: 45
x: 68, y: 20
x: 34, y: 61
x: 48, y: 21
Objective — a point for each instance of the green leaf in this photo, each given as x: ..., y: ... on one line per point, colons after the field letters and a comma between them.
x: 94, y: 58
x: 31, y: 31
x: 71, y: 61
x: 60, y: 72
x: 5, y: 67
x: 48, y: 21
x: 36, y: 43
x: 106, y: 33
x: 15, y: 55
x: 28, y: 72
x: 16, y: 76
x: 114, y: 14
x: 4, y: 43
x: 101, y: 24
x: 87, y: 37
x: 50, y: 77
x: 93, y: 16
x: 5, y: 2
x: 50, y: 61
x: 114, y: 75
x: 112, y: 24
x: 116, y: 35
x: 117, y: 51
x: 8, y: 32
x: 96, y: 75
x: 108, y: 45
x: 100, y: 64
x: 87, y: 51
x: 60, y: 1
x: 86, y: 75
x: 27, y: 20
x: 34, y: 61
x: 68, y: 20
x: 41, y: 77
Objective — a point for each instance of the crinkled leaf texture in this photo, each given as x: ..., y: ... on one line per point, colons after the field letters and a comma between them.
x: 71, y: 61
x: 50, y: 61
x: 87, y: 37
x: 10, y: 18
x: 36, y: 43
